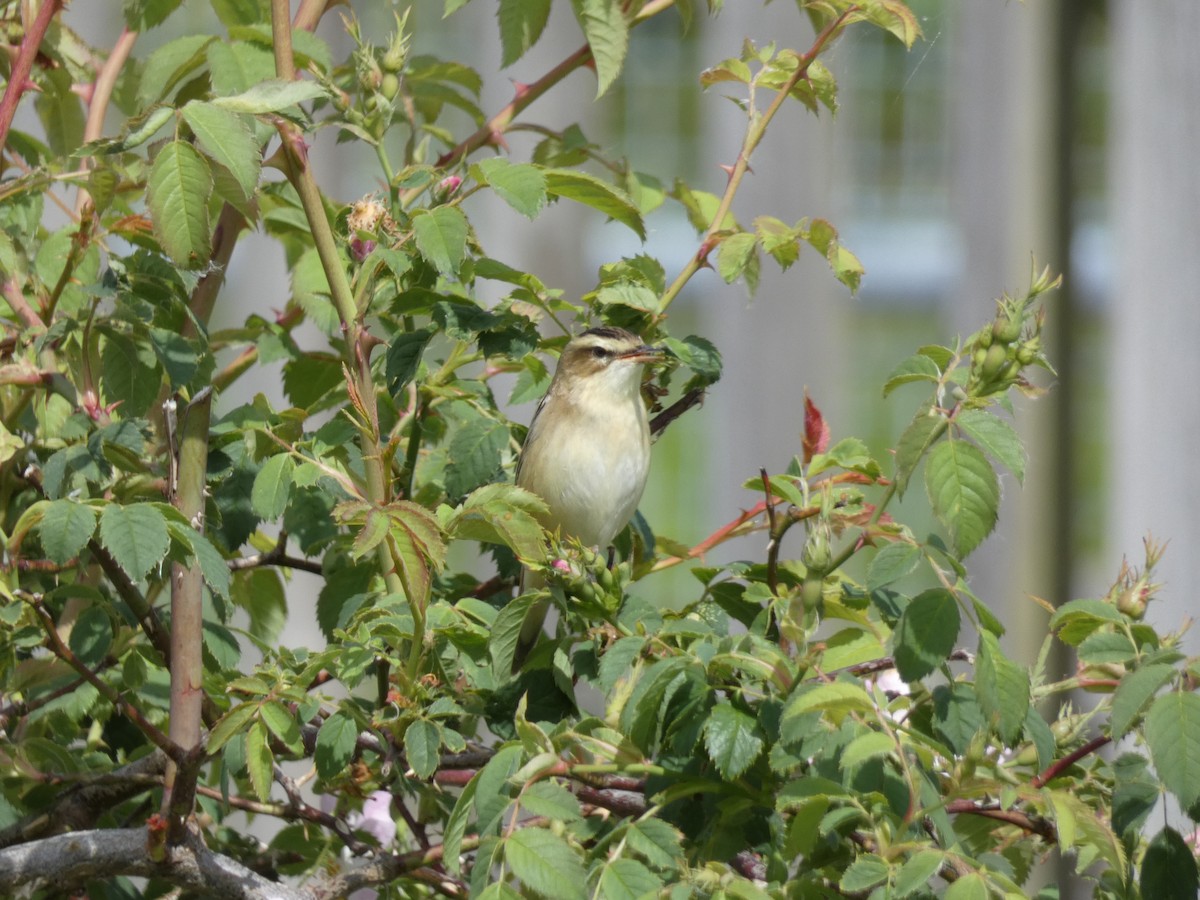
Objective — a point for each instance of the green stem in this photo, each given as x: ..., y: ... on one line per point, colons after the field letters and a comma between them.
x: 356, y: 352
x: 755, y: 132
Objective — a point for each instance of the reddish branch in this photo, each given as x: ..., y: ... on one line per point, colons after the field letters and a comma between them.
x: 1058, y: 766
x: 1027, y: 823
x: 18, y: 79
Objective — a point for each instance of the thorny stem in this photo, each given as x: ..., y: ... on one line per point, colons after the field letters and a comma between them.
x: 1053, y: 770
x: 755, y: 132
x: 18, y: 78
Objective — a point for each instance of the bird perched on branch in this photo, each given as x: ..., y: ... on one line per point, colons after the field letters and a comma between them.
x: 587, y: 453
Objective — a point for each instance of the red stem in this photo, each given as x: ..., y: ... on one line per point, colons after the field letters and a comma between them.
x: 18, y: 79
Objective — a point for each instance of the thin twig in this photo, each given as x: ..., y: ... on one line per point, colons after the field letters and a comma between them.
x: 102, y: 88
x: 660, y: 422
x: 1053, y: 770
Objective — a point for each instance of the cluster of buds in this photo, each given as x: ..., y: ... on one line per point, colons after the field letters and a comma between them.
x: 1133, y: 590
x: 1010, y: 342
x: 588, y: 579
x: 378, y: 74
x: 1006, y: 346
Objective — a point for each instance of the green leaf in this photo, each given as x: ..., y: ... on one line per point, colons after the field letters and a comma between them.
x: 733, y: 740
x: 135, y: 535
x: 416, y: 537
x: 964, y: 493
x: 917, y: 872
x: 271, y: 96
x: 865, y: 747
x: 627, y: 879
x: 1173, y: 733
x: 864, y: 873
x: 92, y: 636
x: 335, y: 745
x: 177, y: 194
x: 546, y: 864
x: 61, y: 112
x: 1133, y: 694
x: 521, y: 24
x: 599, y: 195
x: 1169, y: 868
x: 969, y: 887
x: 995, y: 436
x: 552, y: 801
x: 475, y: 455
x: 213, y: 565
x: 503, y: 514
x: 734, y: 255
x: 657, y: 842
x: 230, y: 725
x: 840, y: 696
x: 259, y: 760
x: 260, y: 593
x: 66, y: 527
x: 273, y: 487
x: 1075, y: 620
x: 226, y: 139
x: 142, y: 15
x: 915, y: 368
x: 282, y: 724
x: 129, y: 375
x: 1002, y: 687
x: 521, y: 186
x: 892, y: 563
x: 926, y: 633
x: 441, y: 236
x: 607, y: 33
x: 404, y: 358
x: 921, y: 432
x: 422, y: 740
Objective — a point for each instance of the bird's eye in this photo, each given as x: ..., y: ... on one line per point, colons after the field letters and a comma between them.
x: 600, y: 352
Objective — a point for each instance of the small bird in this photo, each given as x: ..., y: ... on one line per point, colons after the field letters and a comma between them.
x: 587, y: 453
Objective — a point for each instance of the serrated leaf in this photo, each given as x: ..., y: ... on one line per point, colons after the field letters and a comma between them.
x: 226, y: 138
x: 997, y: 437
x: 1169, y: 868
x: 335, y: 745
x: 627, y: 879
x: 546, y: 864
x: 969, y: 887
x: 915, y: 368
x: 552, y: 801
x: 892, y: 563
x: 734, y: 254
x: 864, y: 747
x: 1173, y: 733
x: 475, y: 455
x: 503, y: 514
x: 1133, y: 694
x: 282, y: 724
x: 91, y: 636
x: 1075, y: 620
x: 422, y: 740
x: 839, y: 696
x: 272, y: 95
x: 921, y: 432
x: 964, y: 493
x: 926, y: 633
x: 260, y: 760
x: 142, y: 15
x: 607, y: 33
x: 404, y: 358
x: 273, y: 487
x: 177, y: 193
x: 521, y: 185
x: 521, y: 24
x: 733, y: 740
x: 129, y: 374
x: 230, y: 724
x: 65, y: 529
x: 917, y: 872
x: 417, y: 539
x: 864, y: 873
x: 213, y: 566
x: 657, y: 842
x: 599, y: 195
x: 441, y: 236
x: 135, y: 535
x: 1002, y: 688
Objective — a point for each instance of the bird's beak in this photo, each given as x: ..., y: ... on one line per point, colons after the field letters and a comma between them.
x: 643, y: 354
